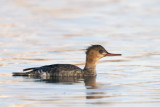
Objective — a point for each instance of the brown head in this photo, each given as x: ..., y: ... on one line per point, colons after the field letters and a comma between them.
x: 98, y: 51
x: 93, y: 54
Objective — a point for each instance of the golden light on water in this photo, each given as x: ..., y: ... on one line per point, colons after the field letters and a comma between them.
x: 37, y: 32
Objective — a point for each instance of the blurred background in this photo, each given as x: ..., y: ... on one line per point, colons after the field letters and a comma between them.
x: 41, y: 32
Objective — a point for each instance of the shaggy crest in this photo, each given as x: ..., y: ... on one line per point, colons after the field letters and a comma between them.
x: 94, y: 47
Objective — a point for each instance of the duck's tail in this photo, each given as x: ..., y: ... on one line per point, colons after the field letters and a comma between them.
x: 20, y: 74
x: 29, y: 69
x: 25, y: 72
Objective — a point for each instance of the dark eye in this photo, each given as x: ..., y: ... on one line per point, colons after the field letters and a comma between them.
x: 100, y: 51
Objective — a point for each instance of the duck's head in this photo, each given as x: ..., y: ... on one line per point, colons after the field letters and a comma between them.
x: 98, y: 51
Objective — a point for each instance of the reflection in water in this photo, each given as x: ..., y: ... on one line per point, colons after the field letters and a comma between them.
x: 63, y: 80
x: 29, y: 39
x: 90, y: 84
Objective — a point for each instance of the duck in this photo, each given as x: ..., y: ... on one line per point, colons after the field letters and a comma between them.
x: 93, y: 54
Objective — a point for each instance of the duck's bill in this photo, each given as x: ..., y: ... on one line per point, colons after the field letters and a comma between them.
x: 111, y: 54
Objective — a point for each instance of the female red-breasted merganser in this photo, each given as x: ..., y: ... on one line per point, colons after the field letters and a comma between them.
x: 93, y: 54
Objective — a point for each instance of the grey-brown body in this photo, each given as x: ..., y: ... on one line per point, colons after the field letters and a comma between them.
x: 56, y: 70
x: 62, y: 70
x: 93, y: 54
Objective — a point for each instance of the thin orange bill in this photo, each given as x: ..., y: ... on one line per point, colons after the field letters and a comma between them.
x: 110, y: 54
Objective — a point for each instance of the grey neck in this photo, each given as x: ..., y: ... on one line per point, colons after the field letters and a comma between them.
x: 90, y: 66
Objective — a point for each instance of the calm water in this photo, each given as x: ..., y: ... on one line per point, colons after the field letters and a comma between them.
x: 41, y: 32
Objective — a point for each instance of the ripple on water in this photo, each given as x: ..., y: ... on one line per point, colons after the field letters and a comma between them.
x: 35, y: 33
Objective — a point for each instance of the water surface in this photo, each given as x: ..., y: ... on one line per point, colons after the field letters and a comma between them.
x: 37, y: 32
